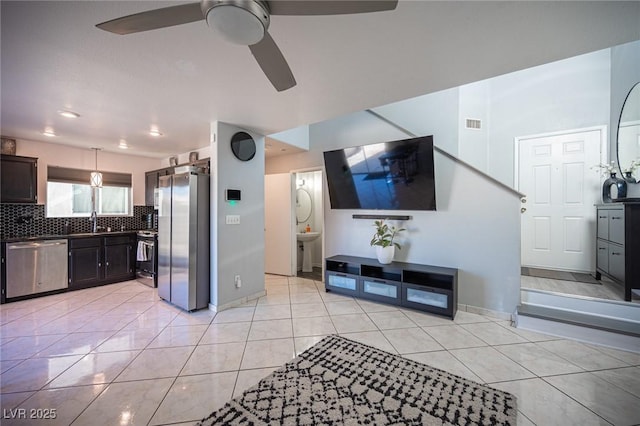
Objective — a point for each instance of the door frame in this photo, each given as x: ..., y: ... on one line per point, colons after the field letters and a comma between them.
x: 604, y: 152
x: 324, y: 197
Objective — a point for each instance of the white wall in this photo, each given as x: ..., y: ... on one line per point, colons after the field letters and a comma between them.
x: 569, y: 94
x: 50, y: 154
x: 433, y: 114
x: 563, y: 95
x: 475, y: 229
x: 298, y: 137
x: 236, y: 249
x: 183, y: 158
x: 473, y: 144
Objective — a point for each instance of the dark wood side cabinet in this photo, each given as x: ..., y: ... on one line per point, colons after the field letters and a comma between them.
x: 101, y: 260
x: 18, y: 179
x: 432, y: 289
x: 618, y: 244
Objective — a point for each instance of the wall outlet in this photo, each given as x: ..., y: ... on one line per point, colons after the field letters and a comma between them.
x: 238, y: 281
x: 233, y: 219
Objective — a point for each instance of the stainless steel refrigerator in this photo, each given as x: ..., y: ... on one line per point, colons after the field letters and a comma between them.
x: 183, y: 239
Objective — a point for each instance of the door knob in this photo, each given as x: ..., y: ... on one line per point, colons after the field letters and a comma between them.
x: 522, y: 210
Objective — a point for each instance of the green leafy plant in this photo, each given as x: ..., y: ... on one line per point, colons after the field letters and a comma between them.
x: 384, y: 234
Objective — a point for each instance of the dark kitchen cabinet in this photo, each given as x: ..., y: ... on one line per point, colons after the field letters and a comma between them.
x: 119, y: 258
x: 101, y: 260
x: 152, y: 180
x: 18, y: 179
x: 85, y: 262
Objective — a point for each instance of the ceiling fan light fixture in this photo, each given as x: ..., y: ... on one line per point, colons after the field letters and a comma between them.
x: 237, y: 21
x: 68, y: 114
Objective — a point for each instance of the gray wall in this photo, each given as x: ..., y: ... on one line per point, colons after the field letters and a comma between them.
x: 563, y: 95
x: 625, y: 73
x: 236, y: 249
x: 475, y: 229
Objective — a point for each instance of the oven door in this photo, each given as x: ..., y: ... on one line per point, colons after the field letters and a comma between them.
x: 146, y: 263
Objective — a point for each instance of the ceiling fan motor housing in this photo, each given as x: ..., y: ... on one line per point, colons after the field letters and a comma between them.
x: 239, y: 21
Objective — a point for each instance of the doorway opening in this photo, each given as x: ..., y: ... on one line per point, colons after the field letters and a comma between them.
x: 309, y: 224
x: 558, y: 225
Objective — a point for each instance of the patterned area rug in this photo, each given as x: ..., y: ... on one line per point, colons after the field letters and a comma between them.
x: 339, y: 381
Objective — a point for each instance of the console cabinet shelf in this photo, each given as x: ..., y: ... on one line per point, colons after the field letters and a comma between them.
x: 428, y: 288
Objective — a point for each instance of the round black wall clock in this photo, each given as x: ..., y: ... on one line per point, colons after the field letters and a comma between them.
x: 243, y: 146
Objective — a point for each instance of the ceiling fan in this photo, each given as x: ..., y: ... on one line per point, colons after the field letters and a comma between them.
x: 245, y: 22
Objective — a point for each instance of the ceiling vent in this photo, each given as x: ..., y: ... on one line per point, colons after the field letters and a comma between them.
x: 473, y: 123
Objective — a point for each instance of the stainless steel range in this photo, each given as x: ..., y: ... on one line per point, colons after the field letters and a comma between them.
x: 147, y: 258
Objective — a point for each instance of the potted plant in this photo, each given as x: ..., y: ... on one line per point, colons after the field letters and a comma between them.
x: 383, y: 241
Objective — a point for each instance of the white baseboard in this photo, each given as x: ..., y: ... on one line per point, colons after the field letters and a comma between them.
x: 237, y: 302
x: 488, y: 312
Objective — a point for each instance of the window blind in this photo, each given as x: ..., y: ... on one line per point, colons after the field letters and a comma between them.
x: 81, y: 176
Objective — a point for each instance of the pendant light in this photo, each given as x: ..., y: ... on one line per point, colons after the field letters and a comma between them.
x: 96, y: 176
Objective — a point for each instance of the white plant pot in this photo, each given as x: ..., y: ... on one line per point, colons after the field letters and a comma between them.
x: 385, y: 254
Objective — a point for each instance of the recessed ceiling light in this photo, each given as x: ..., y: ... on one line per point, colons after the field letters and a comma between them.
x: 68, y: 114
x: 155, y: 133
x: 49, y: 132
x: 123, y: 144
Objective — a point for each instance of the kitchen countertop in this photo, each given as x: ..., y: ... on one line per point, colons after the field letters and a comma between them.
x: 68, y: 236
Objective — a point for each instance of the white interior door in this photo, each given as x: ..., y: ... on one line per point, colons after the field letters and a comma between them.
x: 559, y: 224
x: 279, y: 235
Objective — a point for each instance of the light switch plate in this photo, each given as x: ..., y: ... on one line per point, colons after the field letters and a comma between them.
x: 233, y: 219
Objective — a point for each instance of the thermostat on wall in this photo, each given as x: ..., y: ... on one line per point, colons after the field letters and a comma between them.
x: 233, y: 195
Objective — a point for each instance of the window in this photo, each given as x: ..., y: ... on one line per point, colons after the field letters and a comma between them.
x: 69, y: 193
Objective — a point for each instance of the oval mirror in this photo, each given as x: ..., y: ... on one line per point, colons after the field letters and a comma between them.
x: 629, y: 136
x: 303, y: 205
x: 243, y: 146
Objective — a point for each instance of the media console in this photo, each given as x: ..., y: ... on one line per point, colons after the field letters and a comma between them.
x: 428, y: 288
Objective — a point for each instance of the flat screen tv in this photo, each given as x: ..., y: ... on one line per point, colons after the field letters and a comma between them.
x: 394, y: 175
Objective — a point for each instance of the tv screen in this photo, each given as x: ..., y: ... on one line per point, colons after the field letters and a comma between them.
x: 394, y: 175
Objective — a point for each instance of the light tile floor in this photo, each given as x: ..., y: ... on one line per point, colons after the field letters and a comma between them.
x: 119, y: 355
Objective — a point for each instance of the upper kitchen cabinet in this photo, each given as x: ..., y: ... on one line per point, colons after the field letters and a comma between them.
x: 19, y: 179
x: 152, y: 178
x: 151, y: 184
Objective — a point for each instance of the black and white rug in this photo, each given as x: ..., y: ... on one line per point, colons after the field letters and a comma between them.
x: 342, y: 382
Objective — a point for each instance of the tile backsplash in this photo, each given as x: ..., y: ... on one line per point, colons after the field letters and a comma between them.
x: 28, y: 220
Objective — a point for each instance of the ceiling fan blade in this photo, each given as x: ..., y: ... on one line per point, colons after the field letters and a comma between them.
x: 154, y: 19
x: 329, y: 7
x: 273, y: 64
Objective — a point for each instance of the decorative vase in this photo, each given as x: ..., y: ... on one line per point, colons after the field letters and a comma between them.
x: 628, y: 176
x: 385, y: 254
x: 618, y: 183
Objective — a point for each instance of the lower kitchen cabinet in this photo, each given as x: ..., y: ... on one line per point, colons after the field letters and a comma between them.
x: 85, y: 262
x: 119, y: 258
x: 101, y: 260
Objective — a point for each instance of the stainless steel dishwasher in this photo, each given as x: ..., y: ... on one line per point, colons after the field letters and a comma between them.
x: 36, y: 267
